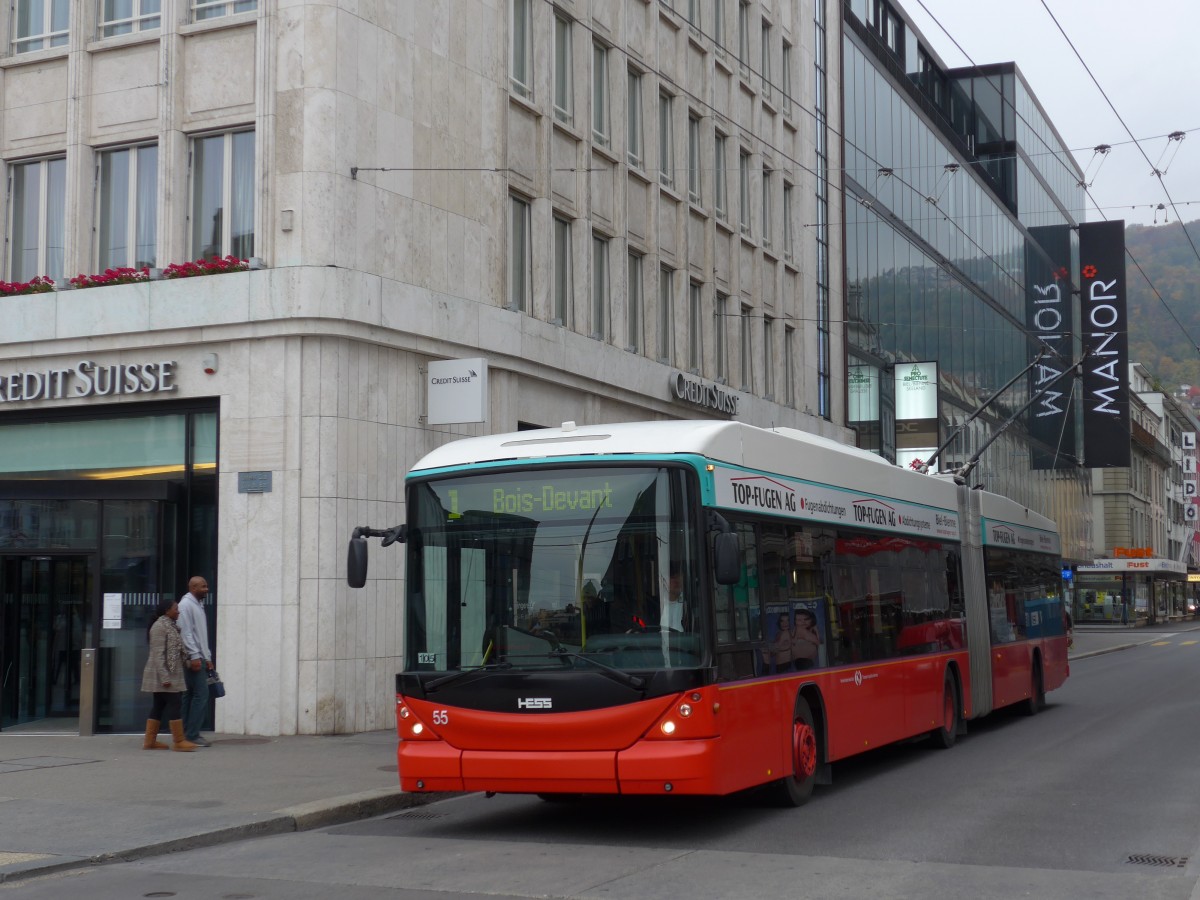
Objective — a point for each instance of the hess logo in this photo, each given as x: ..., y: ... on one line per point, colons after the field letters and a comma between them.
x: 534, y: 703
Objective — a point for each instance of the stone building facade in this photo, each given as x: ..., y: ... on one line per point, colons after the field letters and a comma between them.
x: 622, y: 207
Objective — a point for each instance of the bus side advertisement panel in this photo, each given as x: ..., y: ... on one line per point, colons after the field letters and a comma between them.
x: 778, y: 495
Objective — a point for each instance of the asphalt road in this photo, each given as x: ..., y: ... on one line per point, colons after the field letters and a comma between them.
x: 1096, y: 797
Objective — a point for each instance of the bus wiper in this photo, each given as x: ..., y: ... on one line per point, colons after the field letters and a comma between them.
x: 455, y: 676
x: 634, y: 681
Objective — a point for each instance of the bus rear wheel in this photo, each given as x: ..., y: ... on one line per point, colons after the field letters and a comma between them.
x: 944, y: 736
x: 804, y: 756
x: 1037, y: 692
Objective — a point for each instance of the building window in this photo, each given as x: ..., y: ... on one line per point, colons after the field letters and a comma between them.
x: 785, y: 65
x: 599, y: 286
x: 564, y: 95
x: 743, y: 25
x: 223, y: 195
x: 562, y: 270
x: 39, y: 209
x: 635, y: 303
x: 768, y: 357
x: 601, y: 129
x: 789, y: 366
x: 720, y: 199
x: 519, y: 254
x: 744, y: 191
x: 744, y: 339
x: 694, y: 159
x: 695, y: 327
x: 720, y: 309
x: 666, y: 155
x: 693, y: 14
x: 788, y: 249
x: 128, y: 208
x: 767, y: 218
x: 665, y: 319
x: 40, y: 24
x: 636, y: 142
x: 215, y: 9
x: 520, y: 48
x: 766, y: 60
x: 718, y: 24
x: 128, y: 16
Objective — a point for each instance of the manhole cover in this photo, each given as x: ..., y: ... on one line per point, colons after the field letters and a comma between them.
x: 1149, y: 859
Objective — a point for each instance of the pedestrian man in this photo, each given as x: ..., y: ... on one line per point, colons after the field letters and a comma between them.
x: 1124, y: 607
x: 193, y: 626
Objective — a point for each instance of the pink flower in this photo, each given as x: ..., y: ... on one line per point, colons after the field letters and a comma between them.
x: 212, y: 266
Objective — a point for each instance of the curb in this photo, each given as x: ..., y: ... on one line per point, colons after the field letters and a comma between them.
x: 302, y: 817
x: 1092, y: 653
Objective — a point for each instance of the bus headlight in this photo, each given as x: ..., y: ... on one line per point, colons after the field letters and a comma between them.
x: 668, y: 727
x: 685, y: 710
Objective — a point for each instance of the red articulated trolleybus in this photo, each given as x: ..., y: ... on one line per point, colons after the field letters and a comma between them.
x: 702, y: 607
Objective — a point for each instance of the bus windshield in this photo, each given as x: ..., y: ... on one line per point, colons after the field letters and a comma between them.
x: 554, y: 568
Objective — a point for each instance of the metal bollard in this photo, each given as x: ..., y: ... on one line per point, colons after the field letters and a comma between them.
x: 87, y: 692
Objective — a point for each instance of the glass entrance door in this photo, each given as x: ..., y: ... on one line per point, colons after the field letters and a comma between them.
x: 45, y: 620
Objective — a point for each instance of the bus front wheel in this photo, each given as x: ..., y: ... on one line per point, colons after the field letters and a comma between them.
x: 803, y: 755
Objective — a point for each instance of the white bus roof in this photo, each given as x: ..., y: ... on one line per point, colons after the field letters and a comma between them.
x: 783, y: 451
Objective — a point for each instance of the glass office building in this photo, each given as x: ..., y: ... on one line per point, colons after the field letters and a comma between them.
x: 960, y: 199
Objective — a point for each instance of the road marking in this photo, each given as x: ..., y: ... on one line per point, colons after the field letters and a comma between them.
x: 1188, y: 643
x: 1161, y: 644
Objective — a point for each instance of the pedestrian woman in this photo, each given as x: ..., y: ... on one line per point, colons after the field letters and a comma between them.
x: 163, y: 677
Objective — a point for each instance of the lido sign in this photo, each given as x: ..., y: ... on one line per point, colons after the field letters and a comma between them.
x: 88, y: 379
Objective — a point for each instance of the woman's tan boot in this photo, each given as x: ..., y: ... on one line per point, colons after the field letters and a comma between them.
x: 152, y: 742
x: 181, y: 743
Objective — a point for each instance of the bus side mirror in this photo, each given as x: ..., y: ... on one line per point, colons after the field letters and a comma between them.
x: 356, y: 562
x: 727, y: 558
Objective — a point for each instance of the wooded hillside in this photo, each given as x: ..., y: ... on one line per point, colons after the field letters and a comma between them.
x: 1155, y: 338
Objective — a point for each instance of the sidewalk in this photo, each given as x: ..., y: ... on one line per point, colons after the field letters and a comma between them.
x: 68, y: 801
x: 1093, y: 639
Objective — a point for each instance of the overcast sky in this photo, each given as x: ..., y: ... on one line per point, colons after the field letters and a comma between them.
x: 1144, y: 53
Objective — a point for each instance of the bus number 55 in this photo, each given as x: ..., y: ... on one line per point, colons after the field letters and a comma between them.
x: 441, y: 717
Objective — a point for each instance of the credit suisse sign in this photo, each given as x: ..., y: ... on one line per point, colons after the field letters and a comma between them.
x: 88, y: 379
x: 779, y: 496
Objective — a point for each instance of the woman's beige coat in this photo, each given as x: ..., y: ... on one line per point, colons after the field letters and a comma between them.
x: 165, y: 663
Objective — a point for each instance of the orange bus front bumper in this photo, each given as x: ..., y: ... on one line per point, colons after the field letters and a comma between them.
x: 647, y: 767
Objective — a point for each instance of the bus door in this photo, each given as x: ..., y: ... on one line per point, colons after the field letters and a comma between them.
x: 867, y: 705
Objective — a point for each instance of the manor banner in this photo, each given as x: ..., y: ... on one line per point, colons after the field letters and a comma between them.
x: 1050, y: 316
x: 1106, y: 433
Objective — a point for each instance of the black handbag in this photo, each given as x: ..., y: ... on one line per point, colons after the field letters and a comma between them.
x: 216, y: 687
